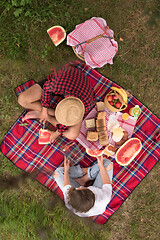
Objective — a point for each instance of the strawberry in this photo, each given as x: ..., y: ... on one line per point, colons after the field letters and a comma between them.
x: 111, y: 103
x: 115, y: 97
x: 118, y: 105
x: 109, y: 98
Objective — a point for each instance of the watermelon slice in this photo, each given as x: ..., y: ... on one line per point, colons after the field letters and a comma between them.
x: 128, y: 151
x: 57, y: 34
x: 44, y: 136
x: 94, y: 153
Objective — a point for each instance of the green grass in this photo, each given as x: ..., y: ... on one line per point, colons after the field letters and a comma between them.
x: 31, y: 211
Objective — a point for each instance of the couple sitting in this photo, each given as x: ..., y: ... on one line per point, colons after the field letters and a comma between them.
x: 74, y: 86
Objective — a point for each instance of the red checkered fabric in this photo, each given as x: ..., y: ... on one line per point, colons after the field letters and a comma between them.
x: 127, y: 125
x: 100, y: 51
x: 68, y: 81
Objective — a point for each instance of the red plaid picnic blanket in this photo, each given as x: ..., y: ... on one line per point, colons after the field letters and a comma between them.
x: 20, y: 146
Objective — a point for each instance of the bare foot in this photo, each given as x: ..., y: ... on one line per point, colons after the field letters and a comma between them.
x: 31, y: 115
x: 53, y: 136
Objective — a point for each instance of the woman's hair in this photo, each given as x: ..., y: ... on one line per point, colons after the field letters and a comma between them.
x: 82, y: 200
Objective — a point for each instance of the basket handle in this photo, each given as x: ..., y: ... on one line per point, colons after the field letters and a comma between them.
x: 94, y: 38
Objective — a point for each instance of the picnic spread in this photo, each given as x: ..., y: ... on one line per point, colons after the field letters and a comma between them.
x: 114, y: 123
x: 20, y: 146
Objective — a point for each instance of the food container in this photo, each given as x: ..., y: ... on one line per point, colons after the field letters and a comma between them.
x: 112, y: 108
x: 135, y: 111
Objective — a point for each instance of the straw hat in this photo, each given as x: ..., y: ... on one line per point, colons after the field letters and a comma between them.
x: 70, y: 111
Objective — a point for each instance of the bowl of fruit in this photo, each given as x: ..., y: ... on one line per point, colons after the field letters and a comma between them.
x: 116, y: 99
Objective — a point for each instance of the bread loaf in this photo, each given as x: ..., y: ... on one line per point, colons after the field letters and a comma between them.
x: 100, y: 123
x: 103, y: 138
x: 101, y: 128
x: 102, y: 134
x: 90, y: 123
x: 101, y: 115
x: 103, y: 141
x: 92, y: 136
x: 123, y: 140
x: 100, y: 106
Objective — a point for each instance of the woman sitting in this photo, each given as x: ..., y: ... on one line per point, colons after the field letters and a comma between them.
x: 68, y: 81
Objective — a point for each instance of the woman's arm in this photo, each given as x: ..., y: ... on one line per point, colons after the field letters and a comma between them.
x: 66, y: 172
x: 103, y: 171
x: 47, y: 94
x: 44, y: 115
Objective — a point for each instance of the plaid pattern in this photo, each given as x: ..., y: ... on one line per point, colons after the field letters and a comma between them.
x: 91, y: 28
x: 23, y: 87
x: 68, y: 81
x: 21, y: 146
x: 73, y: 153
x: 127, y: 125
x: 61, y: 128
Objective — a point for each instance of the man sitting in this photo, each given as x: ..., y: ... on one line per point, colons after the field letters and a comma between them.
x: 81, y: 200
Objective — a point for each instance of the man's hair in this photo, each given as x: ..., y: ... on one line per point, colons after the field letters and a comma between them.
x: 82, y: 200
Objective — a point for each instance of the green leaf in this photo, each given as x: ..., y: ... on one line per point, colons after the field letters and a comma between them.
x: 15, y: 3
x: 8, y: 7
x: 18, y: 12
x: 23, y: 3
x: 28, y: 13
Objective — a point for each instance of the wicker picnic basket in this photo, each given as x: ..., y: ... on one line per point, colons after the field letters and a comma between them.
x: 81, y: 56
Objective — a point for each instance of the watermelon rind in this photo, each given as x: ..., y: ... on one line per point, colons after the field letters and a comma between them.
x: 133, y: 157
x: 93, y: 155
x: 62, y: 39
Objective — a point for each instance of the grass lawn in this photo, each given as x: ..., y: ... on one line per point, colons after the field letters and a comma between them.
x: 30, y: 211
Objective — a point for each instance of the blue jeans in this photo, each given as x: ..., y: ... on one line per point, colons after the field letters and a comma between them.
x: 76, y: 172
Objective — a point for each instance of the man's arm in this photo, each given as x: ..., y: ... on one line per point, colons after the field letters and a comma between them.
x: 66, y: 172
x: 103, y: 171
